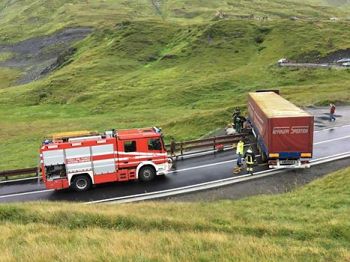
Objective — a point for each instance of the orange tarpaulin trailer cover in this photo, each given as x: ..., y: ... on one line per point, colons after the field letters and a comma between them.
x: 282, y: 126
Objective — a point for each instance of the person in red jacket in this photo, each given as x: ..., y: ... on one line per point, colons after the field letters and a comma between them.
x: 331, y: 112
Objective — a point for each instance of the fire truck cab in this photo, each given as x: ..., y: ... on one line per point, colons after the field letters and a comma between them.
x: 79, y: 161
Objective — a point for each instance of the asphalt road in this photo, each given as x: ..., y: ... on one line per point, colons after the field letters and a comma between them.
x: 193, y: 171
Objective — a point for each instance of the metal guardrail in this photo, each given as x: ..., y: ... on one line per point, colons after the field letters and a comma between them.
x: 18, y: 172
x: 185, y: 148
x: 208, y: 144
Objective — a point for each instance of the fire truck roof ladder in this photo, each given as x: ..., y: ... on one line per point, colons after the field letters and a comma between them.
x: 73, y: 135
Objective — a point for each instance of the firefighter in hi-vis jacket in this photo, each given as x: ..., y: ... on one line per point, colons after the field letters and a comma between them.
x: 240, y: 153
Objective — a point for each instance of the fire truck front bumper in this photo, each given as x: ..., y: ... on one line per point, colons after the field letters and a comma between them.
x: 164, y: 169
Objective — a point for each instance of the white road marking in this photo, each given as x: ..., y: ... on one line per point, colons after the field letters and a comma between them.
x: 331, y: 140
x: 199, y: 167
x: 19, y: 180
x: 331, y: 128
x: 328, y: 157
x: 207, y: 185
x: 203, y: 153
x: 27, y: 193
x: 207, y: 165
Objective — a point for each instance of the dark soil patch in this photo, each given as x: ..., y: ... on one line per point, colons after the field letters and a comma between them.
x: 335, y: 56
x: 307, y: 57
x: 61, y: 60
x: 39, y: 56
x: 315, y: 57
x: 168, y: 56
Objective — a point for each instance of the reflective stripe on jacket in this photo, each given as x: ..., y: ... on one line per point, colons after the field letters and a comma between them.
x: 249, y: 159
x: 240, y: 148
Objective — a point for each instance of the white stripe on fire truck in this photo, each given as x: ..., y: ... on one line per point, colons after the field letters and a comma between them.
x: 159, y: 161
x: 103, y: 153
x: 130, y: 163
x: 78, y: 156
x: 103, y: 160
x: 122, y: 159
x: 141, y: 153
x: 146, y: 157
x: 99, y: 166
x: 87, y: 162
x: 72, y: 165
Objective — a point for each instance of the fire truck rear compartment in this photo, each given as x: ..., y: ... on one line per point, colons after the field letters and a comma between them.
x: 55, y: 171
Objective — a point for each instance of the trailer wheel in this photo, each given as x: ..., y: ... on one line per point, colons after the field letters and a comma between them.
x: 262, y: 153
x: 147, y: 173
x: 263, y: 157
x: 81, y: 183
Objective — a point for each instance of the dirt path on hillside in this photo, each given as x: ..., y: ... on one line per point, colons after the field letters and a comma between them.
x: 315, y: 60
x: 38, y: 56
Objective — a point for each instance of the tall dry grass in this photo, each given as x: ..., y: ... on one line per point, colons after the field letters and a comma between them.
x: 309, y: 224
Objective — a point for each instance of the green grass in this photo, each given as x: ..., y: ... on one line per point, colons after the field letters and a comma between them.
x: 309, y: 224
x: 5, y: 56
x: 180, y: 70
x: 8, y: 76
x: 23, y: 19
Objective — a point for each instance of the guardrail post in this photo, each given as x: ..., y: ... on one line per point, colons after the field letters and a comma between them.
x: 181, y: 149
x: 38, y: 175
x: 214, y: 143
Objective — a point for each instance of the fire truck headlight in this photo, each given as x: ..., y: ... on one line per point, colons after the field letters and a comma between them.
x: 170, y: 163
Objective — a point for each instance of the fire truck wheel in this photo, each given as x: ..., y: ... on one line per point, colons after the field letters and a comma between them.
x: 81, y: 183
x: 147, y: 173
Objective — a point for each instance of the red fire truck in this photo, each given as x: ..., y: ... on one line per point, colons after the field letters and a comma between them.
x: 80, y: 161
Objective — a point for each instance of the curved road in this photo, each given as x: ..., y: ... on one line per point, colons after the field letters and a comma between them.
x: 193, y: 171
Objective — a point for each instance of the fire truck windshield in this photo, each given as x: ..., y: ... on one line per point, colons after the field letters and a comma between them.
x: 154, y: 144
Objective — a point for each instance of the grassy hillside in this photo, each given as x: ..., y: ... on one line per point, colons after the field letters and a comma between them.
x: 174, y: 66
x: 309, y: 224
x: 20, y: 19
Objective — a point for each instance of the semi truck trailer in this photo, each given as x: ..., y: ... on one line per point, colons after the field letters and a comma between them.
x: 283, y: 131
